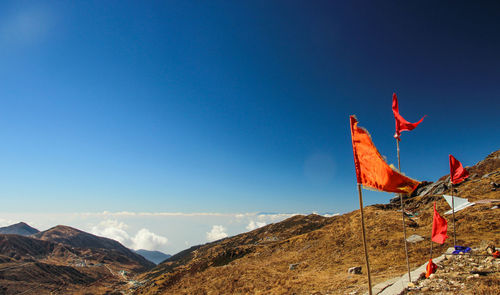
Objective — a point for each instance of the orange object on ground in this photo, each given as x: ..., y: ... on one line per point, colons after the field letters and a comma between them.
x: 431, y: 268
x: 371, y: 169
x: 496, y: 254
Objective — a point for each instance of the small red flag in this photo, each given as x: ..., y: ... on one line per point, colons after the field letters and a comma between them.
x: 439, y: 227
x: 431, y: 268
x: 371, y: 169
x: 401, y: 123
x: 457, y: 172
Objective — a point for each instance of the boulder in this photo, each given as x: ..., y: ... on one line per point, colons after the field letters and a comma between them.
x: 414, y: 239
x: 354, y: 270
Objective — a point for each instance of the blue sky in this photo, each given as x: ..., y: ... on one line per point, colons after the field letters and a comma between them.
x: 189, y: 106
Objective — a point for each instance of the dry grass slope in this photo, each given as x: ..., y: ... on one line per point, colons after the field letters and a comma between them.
x: 324, y: 248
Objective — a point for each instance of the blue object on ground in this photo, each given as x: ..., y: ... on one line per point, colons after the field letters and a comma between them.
x: 459, y: 249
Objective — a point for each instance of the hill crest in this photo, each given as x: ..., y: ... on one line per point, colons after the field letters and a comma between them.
x: 20, y: 228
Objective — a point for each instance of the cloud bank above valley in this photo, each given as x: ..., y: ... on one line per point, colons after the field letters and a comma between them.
x: 169, y: 232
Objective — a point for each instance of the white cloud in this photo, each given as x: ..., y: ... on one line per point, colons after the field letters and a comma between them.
x: 5, y: 222
x: 330, y: 215
x: 277, y: 217
x: 112, y: 229
x: 218, y: 232
x: 254, y: 225
x: 144, y: 239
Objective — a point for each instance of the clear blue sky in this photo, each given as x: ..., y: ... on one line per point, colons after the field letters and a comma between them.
x: 233, y: 106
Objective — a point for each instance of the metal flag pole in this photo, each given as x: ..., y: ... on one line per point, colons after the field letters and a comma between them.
x: 364, y: 239
x: 404, y: 222
x: 453, y: 210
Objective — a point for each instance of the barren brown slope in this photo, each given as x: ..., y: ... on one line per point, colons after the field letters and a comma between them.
x: 323, y: 254
x: 76, y: 238
x: 32, y: 264
x: 21, y: 248
x: 66, y: 261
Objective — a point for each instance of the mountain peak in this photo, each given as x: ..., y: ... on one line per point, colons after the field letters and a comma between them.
x: 20, y: 228
x: 156, y: 257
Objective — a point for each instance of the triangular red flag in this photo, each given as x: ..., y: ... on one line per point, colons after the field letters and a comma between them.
x: 401, y: 123
x: 457, y: 171
x: 439, y: 227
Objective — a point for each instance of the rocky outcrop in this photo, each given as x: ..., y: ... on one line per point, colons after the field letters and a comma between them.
x: 462, y: 274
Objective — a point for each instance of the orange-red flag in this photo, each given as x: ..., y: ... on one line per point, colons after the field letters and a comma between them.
x: 431, y: 268
x: 401, y: 123
x: 439, y: 227
x: 457, y: 171
x: 371, y: 169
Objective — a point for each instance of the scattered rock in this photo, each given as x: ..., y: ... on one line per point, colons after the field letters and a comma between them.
x: 415, y: 239
x: 293, y: 266
x: 354, y: 270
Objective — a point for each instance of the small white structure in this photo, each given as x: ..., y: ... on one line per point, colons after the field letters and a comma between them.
x: 460, y: 204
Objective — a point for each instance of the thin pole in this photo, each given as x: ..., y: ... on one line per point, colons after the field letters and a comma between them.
x: 404, y: 222
x: 453, y: 210
x: 364, y: 239
x: 399, y: 161
x: 431, y: 249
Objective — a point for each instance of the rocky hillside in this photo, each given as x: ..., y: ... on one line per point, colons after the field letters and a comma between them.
x: 20, y: 248
x: 64, y: 260
x: 311, y: 254
x: 76, y: 238
x: 20, y: 228
x: 472, y: 273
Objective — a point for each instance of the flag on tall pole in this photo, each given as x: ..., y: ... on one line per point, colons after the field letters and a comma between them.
x: 401, y: 123
x: 457, y: 175
x: 372, y: 171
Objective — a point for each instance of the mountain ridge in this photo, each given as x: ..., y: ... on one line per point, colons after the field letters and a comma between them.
x: 20, y: 228
x: 77, y: 238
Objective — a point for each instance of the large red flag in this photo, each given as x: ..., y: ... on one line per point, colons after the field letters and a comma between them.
x: 439, y: 227
x: 457, y: 172
x: 371, y: 169
x: 401, y: 123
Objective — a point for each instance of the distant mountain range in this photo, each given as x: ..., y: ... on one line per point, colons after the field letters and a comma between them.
x: 156, y: 257
x: 20, y: 228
